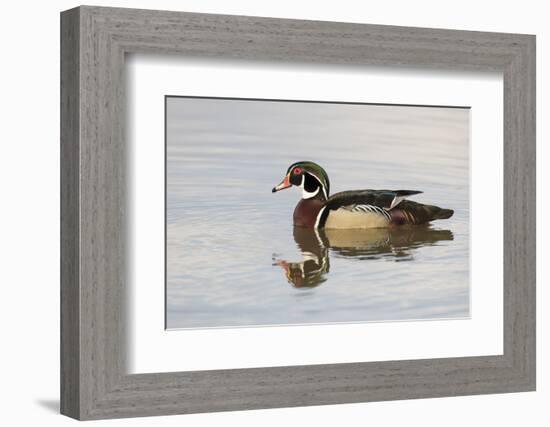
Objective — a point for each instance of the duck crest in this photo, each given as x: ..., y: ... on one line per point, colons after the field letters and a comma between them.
x: 306, y: 212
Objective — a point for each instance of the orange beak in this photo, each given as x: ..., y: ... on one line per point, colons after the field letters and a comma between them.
x: 284, y: 184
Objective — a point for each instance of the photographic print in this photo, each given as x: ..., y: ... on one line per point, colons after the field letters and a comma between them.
x: 284, y: 212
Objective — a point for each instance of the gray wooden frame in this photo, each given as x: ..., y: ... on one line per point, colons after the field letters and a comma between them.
x: 94, y: 382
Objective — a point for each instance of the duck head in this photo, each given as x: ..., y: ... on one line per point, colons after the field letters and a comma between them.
x: 309, y: 176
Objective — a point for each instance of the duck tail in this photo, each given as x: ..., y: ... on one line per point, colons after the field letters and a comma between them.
x: 443, y: 213
x: 430, y: 213
x: 419, y: 213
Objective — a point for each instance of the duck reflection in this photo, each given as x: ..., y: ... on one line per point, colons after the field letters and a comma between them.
x: 317, y: 246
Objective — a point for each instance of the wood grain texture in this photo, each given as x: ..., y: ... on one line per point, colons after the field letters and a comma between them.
x: 70, y: 221
x: 94, y: 381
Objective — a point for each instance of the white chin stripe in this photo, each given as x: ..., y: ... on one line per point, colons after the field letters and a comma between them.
x: 307, y: 194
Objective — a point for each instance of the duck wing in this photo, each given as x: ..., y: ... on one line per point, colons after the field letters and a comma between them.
x: 386, y: 199
x: 363, y: 202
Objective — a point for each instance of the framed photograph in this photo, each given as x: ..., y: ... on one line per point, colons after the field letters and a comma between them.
x: 262, y: 213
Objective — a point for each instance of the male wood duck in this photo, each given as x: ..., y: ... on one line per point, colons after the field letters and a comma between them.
x: 352, y: 209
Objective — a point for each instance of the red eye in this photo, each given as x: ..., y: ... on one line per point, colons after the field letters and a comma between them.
x: 297, y: 171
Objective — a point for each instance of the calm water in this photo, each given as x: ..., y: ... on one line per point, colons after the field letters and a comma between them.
x: 233, y: 256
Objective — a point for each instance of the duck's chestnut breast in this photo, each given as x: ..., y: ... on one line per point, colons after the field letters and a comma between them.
x: 306, y: 211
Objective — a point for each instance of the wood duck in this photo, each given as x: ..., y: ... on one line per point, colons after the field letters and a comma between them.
x: 352, y: 209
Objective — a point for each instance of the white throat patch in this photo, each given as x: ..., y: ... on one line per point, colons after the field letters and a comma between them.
x: 307, y: 194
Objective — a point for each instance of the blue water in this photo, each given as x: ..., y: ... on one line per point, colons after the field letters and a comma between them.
x: 233, y: 257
